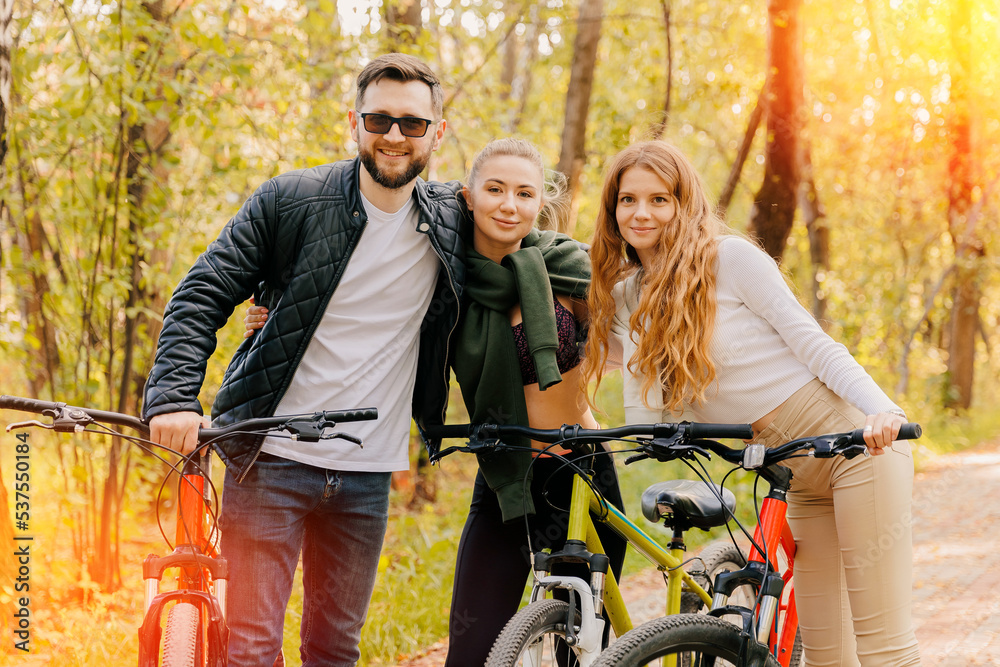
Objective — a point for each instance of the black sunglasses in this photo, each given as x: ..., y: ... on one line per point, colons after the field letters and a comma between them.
x: 409, y: 126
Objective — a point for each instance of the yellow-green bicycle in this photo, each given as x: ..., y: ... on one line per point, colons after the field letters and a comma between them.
x: 569, y: 632
x: 754, y: 592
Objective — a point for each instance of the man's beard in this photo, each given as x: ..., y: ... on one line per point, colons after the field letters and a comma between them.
x: 417, y: 164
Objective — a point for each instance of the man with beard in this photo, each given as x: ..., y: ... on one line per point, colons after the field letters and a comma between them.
x: 360, y: 264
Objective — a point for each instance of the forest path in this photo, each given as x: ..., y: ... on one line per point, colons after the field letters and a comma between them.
x: 956, y: 567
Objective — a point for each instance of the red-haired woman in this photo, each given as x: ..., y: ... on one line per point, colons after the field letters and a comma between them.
x: 710, y: 329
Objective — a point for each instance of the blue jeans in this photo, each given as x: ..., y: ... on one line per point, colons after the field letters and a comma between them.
x: 337, y: 521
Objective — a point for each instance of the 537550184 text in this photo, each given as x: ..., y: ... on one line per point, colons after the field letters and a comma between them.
x: 22, y: 543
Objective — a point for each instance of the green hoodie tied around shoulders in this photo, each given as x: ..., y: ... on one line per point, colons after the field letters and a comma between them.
x: 486, y: 363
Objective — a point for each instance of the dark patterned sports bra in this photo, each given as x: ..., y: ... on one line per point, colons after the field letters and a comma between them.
x: 568, y: 354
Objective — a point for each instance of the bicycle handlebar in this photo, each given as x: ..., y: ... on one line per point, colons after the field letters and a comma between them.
x: 71, y: 418
x: 70, y: 415
x: 670, y: 440
x: 27, y: 404
x: 578, y: 433
x: 848, y: 444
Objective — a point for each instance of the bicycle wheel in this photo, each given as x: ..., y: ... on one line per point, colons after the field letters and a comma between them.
x: 181, y: 636
x: 691, y: 639
x: 534, y: 636
x: 719, y: 557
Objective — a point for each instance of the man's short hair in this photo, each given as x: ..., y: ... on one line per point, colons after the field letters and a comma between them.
x: 400, y: 67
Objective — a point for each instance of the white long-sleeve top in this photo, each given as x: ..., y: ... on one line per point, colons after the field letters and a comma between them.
x: 765, y: 347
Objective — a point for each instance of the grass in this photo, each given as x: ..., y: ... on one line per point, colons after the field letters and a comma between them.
x: 946, y: 432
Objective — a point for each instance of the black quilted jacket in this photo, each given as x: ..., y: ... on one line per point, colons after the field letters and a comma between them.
x: 289, y: 244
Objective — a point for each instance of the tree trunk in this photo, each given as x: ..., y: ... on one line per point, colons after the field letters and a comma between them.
x: 7, y: 564
x: 741, y: 156
x: 529, y: 54
x: 969, y: 248
x: 774, y: 206
x: 6, y: 75
x: 43, y: 365
x: 144, y: 143
x: 402, y: 21
x: 819, y: 234
x: 661, y: 126
x: 508, y: 67
x: 581, y: 81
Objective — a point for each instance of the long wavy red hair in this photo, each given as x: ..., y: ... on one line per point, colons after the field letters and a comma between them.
x: 675, y: 317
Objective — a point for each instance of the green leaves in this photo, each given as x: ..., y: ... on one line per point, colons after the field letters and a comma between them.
x: 218, y: 97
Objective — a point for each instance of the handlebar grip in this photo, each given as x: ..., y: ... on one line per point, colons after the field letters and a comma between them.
x: 442, y: 431
x: 26, y: 404
x: 740, y: 431
x: 908, y: 431
x: 358, y: 415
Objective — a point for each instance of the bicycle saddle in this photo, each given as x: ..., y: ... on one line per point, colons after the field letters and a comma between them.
x: 686, y: 503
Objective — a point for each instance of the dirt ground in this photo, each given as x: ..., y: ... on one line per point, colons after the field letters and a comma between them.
x: 956, y: 579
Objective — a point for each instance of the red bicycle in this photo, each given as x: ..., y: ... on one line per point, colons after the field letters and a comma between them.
x: 765, y: 631
x: 195, y: 633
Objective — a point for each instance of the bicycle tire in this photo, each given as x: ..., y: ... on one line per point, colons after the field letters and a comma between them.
x: 693, y: 639
x: 534, y: 633
x: 180, y: 637
x: 721, y: 556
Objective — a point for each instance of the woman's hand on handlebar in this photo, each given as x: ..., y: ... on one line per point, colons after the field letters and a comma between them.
x: 255, y: 319
x: 881, y: 430
x: 177, y: 430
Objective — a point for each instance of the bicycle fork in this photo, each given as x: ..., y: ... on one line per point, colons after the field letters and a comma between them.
x: 762, y: 572
x: 202, y: 578
x: 589, y: 638
x: 586, y: 597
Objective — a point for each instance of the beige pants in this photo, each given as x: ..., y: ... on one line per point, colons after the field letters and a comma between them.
x: 851, y: 522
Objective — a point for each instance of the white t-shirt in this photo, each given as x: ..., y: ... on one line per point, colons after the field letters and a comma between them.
x: 766, y: 346
x: 364, y: 352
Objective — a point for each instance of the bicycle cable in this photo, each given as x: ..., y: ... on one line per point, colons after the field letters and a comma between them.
x: 565, y: 463
x: 173, y: 468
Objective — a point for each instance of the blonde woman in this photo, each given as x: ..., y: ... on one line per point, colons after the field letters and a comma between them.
x: 516, y: 356
x: 709, y: 329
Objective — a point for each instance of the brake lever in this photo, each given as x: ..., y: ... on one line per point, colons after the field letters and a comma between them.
x: 636, y: 457
x: 477, y: 445
x: 441, y: 453
x: 674, y: 447
x: 26, y: 424
x: 314, y: 432
x: 349, y: 438
x: 849, y: 449
x: 64, y: 420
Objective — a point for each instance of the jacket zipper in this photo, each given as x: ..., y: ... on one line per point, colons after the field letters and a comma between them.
x: 447, y: 343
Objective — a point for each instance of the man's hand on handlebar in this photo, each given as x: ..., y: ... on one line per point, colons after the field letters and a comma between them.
x: 177, y: 430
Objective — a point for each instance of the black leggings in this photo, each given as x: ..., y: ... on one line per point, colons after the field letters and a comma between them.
x: 493, y: 561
